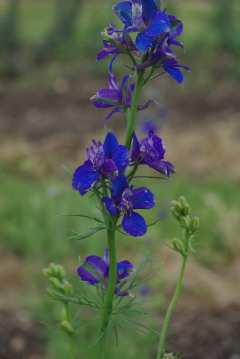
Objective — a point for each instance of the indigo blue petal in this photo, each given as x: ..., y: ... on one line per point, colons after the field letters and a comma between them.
x: 159, y: 25
x: 159, y: 146
x: 106, y: 256
x: 149, y: 10
x: 143, y: 41
x: 109, y: 95
x: 142, y: 198
x: 109, y: 169
x: 84, y: 178
x: 145, y: 105
x: 124, y: 11
x: 98, y: 264
x: 135, y: 153
x: 121, y: 158
x: 134, y: 224
x: 175, y: 73
x: 124, y: 269
x: 118, y: 187
x: 125, y: 91
x: 110, y: 205
x: 86, y: 276
x: 110, y: 145
x: 116, y: 109
x: 118, y: 292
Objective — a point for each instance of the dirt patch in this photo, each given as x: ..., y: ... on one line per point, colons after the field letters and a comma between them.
x: 20, y: 337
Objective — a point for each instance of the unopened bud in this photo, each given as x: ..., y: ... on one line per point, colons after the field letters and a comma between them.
x: 194, y: 224
x: 177, y: 245
x: 66, y: 326
x: 53, y: 269
x: 168, y: 356
x: 177, y: 206
x: 184, y: 222
x: 174, y: 212
x: 60, y: 271
x: 67, y: 288
x: 185, y: 206
x: 55, y: 282
x: 46, y: 272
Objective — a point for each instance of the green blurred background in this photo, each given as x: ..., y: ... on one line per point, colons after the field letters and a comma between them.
x: 48, y: 73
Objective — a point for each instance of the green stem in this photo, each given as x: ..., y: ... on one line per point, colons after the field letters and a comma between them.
x: 170, y: 309
x: 72, y: 347
x: 133, y: 110
x: 108, y: 304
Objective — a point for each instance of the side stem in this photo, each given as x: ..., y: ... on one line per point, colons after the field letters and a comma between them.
x: 108, y: 305
x: 170, y: 309
x: 133, y: 110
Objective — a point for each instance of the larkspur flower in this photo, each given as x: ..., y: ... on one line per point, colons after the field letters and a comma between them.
x: 95, y: 270
x: 144, y: 17
x: 115, y: 43
x: 125, y: 199
x: 151, y: 151
x: 116, y: 96
x: 107, y: 160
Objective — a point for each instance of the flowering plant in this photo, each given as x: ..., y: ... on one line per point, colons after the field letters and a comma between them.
x: 110, y: 168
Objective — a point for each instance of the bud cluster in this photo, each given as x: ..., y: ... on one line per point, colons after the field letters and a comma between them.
x: 181, y: 211
x: 55, y: 274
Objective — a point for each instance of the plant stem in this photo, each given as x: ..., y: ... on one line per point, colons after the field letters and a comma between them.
x: 108, y: 304
x: 170, y: 309
x: 133, y: 110
x: 72, y: 352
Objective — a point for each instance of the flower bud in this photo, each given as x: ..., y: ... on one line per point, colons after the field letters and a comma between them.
x: 66, y: 326
x: 53, y: 269
x: 55, y: 282
x: 194, y: 224
x: 46, y: 272
x: 67, y: 288
x: 177, y: 245
x: 177, y: 206
x: 174, y: 212
x: 184, y: 222
x: 168, y: 356
x: 60, y: 271
x: 185, y: 206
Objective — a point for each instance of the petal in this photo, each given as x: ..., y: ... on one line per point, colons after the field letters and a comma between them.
x: 86, y: 276
x: 118, y: 187
x: 159, y: 25
x: 116, y: 109
x: 124, y: 269
x: 143, y: 198
x: 175, y: 73
x: 111, y: 96
x: 118, y: 292
x: 145, y: 105
x: 143, y: 41
x: 110, y: 205
x: 110, y: 145
x: 121, y: 158
x: 125, y: 92
x: 84, y: 178
x: 135, y: 153
x: 98, y: 264
x: 124, y: 11
x: 109, y: 169
x: 112, y: 82
x: 102, y: 54
x: 134, y: 224
x: 158, y: 145
x: 170, y: 168
x: 149, y: 10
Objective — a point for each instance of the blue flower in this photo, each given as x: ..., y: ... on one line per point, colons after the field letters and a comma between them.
x: 125, y: 199
x: 95, y: 270
x: 116, y: 96
x: 107, y: 160
x: 144, y: 17
x: 151, y: 152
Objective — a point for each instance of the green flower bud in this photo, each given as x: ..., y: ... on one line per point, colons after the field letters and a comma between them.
x: 177, y: 206
x: 184, y: 221
x: 177, y: 245
x: 60, y: 271
x: 46, y: 272
x: 53, y: 269
x: 66, y: 326
x: 174, y: 212
x: 185, y: 206
x: 67, y: 288
x: 55, y: 282
x: 194, y: 224
x: 168, y: 356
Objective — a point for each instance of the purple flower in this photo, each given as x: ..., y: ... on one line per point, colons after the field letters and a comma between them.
x: 125, y: 199
x: 118, y: 97
x: 115, y: 43
x: 95, y: 270
x: 107, y: 160
x: 145, y: 17
x: 151, y: 152
x: 161, y: 55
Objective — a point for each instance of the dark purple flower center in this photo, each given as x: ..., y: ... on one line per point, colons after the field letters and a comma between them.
x: 125, y: 204
x: 96, y: 154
